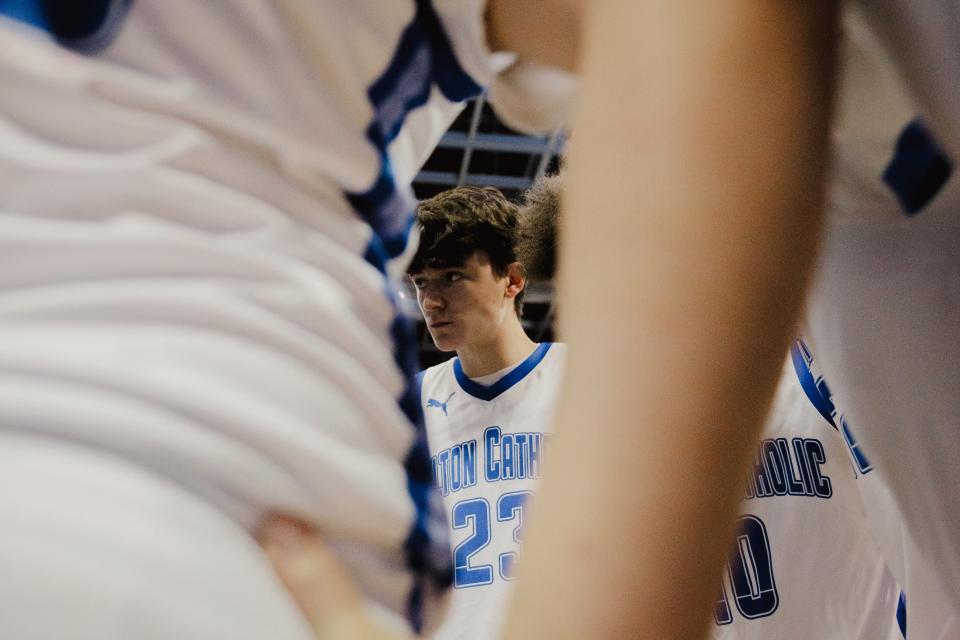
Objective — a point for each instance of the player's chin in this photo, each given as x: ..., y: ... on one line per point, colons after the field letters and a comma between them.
x: 444, y: 341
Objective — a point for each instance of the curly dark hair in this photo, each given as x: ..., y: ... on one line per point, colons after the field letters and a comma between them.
x: 539, y: 228
x: 459, y: 222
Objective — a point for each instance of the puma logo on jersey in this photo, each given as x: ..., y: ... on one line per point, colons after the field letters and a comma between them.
x: 440, y: 405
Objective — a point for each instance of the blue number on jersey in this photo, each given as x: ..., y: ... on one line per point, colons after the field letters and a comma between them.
x: 750, y: 567
x: 475, y: 513
x: 510, y: 506
x: 751, y: 570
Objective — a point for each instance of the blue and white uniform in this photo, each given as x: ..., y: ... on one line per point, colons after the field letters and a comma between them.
x: 882, y: 314
x: 200, y: 205
x: 489, y: 444
x: 804, y: 563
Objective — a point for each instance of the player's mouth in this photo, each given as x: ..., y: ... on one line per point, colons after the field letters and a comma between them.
x: 439, y: 324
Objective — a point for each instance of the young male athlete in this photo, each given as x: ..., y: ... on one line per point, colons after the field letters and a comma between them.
x: 488, y: 410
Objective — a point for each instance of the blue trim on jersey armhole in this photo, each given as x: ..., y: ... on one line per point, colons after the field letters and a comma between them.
x: 418, y: 383
x: 85, y: 26
x: 809, y: 385
x: 918, y: 169
x: 423, y: 58
x: 429, y: 558
x: 27, y: 11
x: 455, y: 83
x: 902, y: 614
x: 515, y: 375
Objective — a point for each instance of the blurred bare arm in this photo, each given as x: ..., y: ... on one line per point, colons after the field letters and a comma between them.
x: 319, y: 583
x: 694, y: 199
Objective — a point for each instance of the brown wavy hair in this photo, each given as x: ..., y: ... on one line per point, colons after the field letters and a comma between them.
x: 539, y: 228
x: 459, y: 222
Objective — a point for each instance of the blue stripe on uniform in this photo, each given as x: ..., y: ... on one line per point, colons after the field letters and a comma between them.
x: 517, y: 374
x: 455, y: 84
x: 423, y: 58
x: 429, y: 558
x: 918, y: 169
x: 86, y: 26
x: 902, y: 615
x: 809, y: 385
x: 28, y: 11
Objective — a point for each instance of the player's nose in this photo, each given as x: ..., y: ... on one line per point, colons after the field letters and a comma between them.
x: 430, y: 299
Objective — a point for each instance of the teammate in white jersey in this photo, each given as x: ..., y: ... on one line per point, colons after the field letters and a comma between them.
x: 804, y: 562
x: 487, y: 410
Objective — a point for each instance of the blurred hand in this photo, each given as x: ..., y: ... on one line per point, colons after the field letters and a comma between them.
x: 319, y: 583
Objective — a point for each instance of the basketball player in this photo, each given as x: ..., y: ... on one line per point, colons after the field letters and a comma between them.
x: 804, y: 562
x: 488, y: 410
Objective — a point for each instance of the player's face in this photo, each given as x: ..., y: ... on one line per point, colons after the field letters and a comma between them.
x: 463, y: 305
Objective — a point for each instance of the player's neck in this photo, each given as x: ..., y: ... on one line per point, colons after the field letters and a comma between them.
x: 508, y: 346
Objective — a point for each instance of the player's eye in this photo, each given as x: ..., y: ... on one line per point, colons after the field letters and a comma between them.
x: 419, y: 283
x: 453, y: 276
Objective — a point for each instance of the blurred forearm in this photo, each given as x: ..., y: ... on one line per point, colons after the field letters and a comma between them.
x: 693, y: 203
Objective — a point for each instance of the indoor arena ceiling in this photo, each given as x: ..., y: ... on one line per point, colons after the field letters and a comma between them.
x: 480, y: 150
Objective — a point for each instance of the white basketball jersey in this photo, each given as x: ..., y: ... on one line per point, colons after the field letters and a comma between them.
x: 489, y: 446
x: 201, y: 204
x: 804, y: 564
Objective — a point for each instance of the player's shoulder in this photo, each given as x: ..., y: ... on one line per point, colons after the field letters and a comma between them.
x: 439, y: 375
x: 556, y: 356
x: 558, y: 350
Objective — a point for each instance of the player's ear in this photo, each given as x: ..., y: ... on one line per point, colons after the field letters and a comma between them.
x: 516, y: 279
